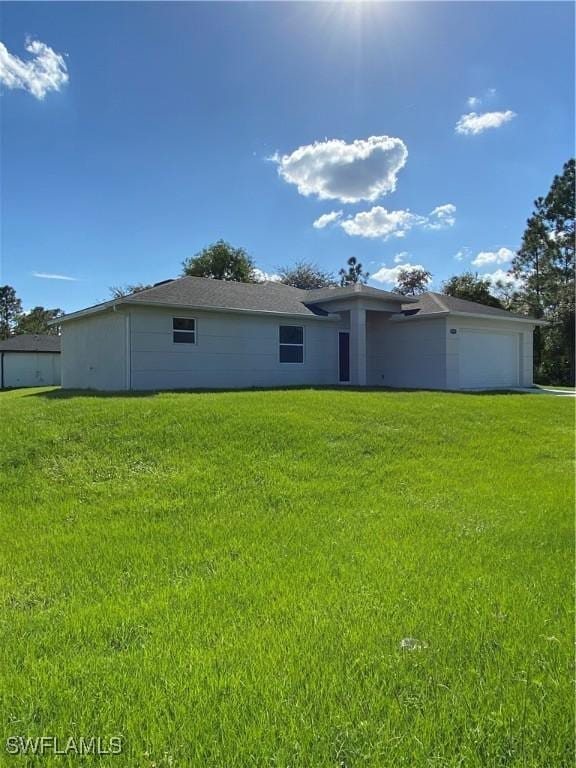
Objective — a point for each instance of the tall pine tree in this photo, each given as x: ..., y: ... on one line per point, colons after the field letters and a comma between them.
x: 545, y: 265
x: 10, y: 311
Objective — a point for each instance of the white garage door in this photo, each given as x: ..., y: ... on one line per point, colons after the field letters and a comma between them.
x: 31, y: 369
x: 489, y: 359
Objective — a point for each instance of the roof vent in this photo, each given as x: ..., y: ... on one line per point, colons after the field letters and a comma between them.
x: 163, y: 282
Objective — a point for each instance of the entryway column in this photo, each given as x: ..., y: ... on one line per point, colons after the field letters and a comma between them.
x: 358, y: 346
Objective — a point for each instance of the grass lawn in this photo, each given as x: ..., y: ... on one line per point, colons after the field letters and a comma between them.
x: 226, y: 579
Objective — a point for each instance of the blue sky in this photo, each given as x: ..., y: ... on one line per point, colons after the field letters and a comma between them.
x: 170, y: 125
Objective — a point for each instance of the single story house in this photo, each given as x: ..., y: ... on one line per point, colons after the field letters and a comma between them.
x: 30, y: 360
x: 195, y: 333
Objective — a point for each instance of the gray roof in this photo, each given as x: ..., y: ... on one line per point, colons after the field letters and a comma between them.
x: 433, y: 303
x: 268, y: 296
x: 31, y: 342
x: 276, y: 298
x: 322, y: 295
x: 226, y: 294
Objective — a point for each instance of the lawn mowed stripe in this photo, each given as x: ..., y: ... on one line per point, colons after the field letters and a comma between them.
x: 225, y: 579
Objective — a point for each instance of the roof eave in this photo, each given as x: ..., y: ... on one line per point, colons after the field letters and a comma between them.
x: 477, y: 315
x: 513, y: 318
x: 194, y: 307
x: 235, y: 310
x: 400, y: 318
x: 84, y: 312
x: 359, y: 295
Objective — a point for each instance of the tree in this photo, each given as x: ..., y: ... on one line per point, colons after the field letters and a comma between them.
x: 545, y: 266
x: 10, y: 310
x: 306, y: 275
x: 410, y: 282
x: 471, y: 287
x: 36, y: 321
x: 221, y: 261
x: 118, y: 291
x: 354, y: 274
x: 507, y: 294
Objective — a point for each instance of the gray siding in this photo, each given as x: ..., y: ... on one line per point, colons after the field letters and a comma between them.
x: 31, y: 369
x: 232, y: 350
x: 406, y: 353
x: 94, y: 352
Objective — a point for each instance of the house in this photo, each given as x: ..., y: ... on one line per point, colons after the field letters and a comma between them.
x: 29, y: 360
x: 201, y: 333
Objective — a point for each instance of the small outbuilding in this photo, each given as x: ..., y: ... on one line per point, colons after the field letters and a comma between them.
x: 30, y: 360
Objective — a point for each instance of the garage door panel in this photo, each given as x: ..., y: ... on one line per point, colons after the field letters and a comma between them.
x: 489, y: 359
x: 31, y: 369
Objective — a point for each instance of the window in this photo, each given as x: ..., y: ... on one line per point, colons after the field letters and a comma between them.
x: 183, y: 330
x: 291, y: 344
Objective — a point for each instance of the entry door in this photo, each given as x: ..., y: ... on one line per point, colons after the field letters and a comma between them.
x: 344, y: 357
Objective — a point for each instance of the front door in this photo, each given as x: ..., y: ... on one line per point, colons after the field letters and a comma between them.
x: 343, y: 357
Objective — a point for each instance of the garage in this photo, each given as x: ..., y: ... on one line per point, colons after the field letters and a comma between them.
x: 489, y: 359
x: 30, y: 360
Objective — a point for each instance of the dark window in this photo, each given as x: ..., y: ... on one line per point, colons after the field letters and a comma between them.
x: 291, y: 354
x: 291, y: 334
x: 291, y: 344
x: 183, y: 324
x: 184, y: 330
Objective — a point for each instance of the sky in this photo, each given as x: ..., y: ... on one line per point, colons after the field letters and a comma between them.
x: 135, y: 134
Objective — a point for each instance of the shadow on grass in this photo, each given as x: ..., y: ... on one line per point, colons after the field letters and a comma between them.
x: 68, y: 394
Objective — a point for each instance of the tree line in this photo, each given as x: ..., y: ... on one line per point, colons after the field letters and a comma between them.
x: 14, y: 321
x: 543, y: 269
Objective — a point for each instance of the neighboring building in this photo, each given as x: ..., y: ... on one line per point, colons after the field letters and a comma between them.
x: 195, y: 333
x: 30, y: 360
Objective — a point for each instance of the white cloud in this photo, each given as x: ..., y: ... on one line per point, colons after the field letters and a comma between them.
x: 502, y: 275
x: 45, y: 71
x: 50, y: 276
x: 474, y: 123
x: 389, y: 275
x: 400, y: 257
x: 262, y: 276
x: 475, y: 101
x: 441, y: 217
x: 379, y: 222
x: 462, y: 254
x: 327, y: 218
x: 334, y: 170
x: 501, y: 256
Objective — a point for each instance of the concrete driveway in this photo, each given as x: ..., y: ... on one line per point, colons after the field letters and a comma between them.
x: 545, y: 391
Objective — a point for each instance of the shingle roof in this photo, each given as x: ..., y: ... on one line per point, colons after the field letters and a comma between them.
x: 226, y: 294
x: 31, y: 342
x: 267, y: 296
x: 322, y: 295
x: 432, y: 303
x: 197, y: 292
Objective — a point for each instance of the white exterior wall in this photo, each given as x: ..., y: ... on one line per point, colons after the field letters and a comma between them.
x: 94, y: 352
x: 406, y: 353
x: 31, y: 369
x: 134, y: 348
x: 524, y: 332
x: 232, y: 350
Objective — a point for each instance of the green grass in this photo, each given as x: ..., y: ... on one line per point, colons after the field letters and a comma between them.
x: 225, y: 579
